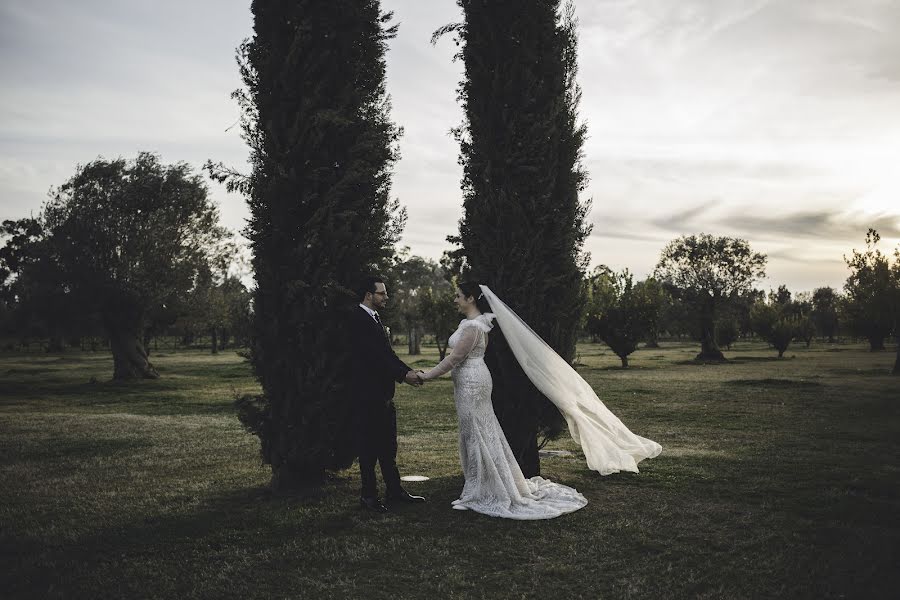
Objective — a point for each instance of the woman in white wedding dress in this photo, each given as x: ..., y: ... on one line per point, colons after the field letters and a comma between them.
x: 494, y: 483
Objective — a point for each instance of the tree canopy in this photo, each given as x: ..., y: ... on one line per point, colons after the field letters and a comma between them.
x: 873, y: 292
x: 621, y: 313
x: 705, y: 271
x: 122, y: 238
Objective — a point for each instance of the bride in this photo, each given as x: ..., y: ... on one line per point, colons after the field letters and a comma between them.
x: 494, y: 483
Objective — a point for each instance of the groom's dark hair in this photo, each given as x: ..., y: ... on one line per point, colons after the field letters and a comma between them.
x: 473, y: 290
x: 367, y: 285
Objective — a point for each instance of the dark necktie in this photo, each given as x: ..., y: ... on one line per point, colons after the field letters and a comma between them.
x: 377, y: 320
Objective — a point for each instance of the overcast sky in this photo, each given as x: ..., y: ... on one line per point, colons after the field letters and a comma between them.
x: 776, y: 121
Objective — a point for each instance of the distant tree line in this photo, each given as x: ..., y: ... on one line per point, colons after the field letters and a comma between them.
x: 702, y: 289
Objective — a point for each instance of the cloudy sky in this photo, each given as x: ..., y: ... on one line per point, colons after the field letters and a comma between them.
x: 777, y: 121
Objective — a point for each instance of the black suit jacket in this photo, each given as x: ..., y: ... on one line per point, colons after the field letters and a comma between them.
x: 375, y: 366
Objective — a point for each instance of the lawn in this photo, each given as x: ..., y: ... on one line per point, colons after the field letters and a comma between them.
x: 778, y: 479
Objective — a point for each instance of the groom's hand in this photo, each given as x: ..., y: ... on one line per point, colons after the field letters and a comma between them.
x: 412, y: 378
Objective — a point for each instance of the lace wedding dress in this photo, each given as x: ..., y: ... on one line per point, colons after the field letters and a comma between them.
x: 495, y: 485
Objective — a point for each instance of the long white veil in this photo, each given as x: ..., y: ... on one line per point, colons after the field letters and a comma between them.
x: 607, y: 444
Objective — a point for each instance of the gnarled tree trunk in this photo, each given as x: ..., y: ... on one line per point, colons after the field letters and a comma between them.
x: 130, y: 360
x: 709, y: 349
x: 413, y: 341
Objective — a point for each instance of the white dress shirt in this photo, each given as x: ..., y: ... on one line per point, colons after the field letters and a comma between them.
x: 371, y: 312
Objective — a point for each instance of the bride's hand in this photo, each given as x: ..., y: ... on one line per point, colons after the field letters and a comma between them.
x: 412, y: 378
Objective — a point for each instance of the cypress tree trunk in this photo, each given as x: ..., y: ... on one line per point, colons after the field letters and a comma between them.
x: 523, y: 225
x: 322, y: 144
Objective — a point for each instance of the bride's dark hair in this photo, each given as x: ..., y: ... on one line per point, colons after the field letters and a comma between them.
x: 471, y: 289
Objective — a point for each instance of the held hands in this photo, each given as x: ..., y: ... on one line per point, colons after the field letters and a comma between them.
x: 414, y: 378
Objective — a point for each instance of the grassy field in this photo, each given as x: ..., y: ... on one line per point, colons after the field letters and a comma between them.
x: 778, y: 479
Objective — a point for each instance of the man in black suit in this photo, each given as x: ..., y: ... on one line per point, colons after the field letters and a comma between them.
x: 375, y: 369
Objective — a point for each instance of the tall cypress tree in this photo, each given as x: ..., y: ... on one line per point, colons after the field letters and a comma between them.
x: 523, y: 226
x: 316, y: 117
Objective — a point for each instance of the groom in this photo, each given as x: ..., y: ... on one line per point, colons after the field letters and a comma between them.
x: 375, y: 369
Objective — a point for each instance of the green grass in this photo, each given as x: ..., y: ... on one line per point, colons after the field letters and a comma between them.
x: 778, y: 478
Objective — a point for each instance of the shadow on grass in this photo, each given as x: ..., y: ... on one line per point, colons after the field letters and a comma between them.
x: 864, y: 372
x: 31, y: 371
x: 769, y: 382
x: 75, y: 449
x: 620, y: 368
x: 237, y: 370
x: 703, y: 363
x: 221, y: 547
x: 632, y: 392
x: 164, y: 396
x: 98, y: 392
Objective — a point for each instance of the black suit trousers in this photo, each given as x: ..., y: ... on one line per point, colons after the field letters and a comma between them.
x: 378, y: 444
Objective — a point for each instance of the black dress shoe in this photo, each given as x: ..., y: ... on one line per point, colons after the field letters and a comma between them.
x: 403, y: 496
x: 373, y: 504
